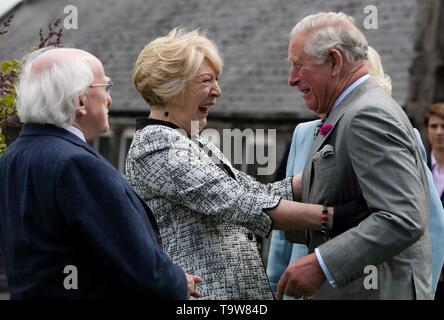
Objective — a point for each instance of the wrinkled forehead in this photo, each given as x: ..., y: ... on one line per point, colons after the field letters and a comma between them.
x: 52, y: 57
x: 296, y: 47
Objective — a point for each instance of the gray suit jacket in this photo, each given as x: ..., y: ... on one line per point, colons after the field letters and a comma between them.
x: 371, y: 150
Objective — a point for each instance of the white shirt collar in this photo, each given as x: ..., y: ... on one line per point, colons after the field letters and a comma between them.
x: 349, y: 89
x: 74, y: 131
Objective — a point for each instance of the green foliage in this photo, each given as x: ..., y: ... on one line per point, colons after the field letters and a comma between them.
x: 2, y: 143
x: 10, y: 70
x: 8, y: 78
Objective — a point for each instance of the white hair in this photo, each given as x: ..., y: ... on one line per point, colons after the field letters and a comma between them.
x: 328, y: 30
x: 49, y: 96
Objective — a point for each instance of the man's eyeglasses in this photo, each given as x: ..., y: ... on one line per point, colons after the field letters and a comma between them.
x: 107, y: 86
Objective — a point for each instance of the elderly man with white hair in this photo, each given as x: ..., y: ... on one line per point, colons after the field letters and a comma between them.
x: 365, y: 148
x: 70, y: 225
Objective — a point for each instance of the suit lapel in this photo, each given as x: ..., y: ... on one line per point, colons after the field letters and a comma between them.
x: 320, y: 139
x: 332, y: 119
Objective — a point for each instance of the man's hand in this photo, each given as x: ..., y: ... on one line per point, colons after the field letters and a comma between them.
x: 192, y: 281
x: 296, y: 184
x: 302, y: 278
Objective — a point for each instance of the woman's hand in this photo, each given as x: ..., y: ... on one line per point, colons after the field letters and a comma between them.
x: 192, y: 281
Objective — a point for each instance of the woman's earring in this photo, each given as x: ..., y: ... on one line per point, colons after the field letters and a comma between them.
x: 166, y: 114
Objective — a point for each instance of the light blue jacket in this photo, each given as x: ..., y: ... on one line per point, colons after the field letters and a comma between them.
x: 282, y: 253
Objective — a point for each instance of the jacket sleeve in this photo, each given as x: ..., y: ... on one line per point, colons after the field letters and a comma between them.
x: 99, y: 205
x: 281, y: 188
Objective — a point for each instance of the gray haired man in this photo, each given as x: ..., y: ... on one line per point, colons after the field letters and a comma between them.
x: 371, y: 152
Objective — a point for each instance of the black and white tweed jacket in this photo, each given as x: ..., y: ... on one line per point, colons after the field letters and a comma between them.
x: 206, y: 218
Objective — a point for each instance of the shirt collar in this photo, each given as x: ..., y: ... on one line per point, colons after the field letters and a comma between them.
x: 349, y: 89
x: 74, y: 131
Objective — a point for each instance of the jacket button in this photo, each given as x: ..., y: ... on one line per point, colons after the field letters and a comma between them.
x: 159, y: 239
x: 250, y: 236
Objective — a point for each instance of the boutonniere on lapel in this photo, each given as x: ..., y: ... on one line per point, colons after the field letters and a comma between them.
x: 325, y: 128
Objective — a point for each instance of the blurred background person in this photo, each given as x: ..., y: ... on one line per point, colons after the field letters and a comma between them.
x: 434, y: 122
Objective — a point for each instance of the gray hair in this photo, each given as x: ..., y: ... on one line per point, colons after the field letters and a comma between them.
x: 328, y: 30
x: 49, y: 96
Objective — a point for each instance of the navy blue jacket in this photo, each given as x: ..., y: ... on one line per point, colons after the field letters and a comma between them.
x: 62, y: 203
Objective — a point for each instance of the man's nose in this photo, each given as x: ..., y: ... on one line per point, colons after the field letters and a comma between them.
x: 293, y: 77
x: 110, y: 100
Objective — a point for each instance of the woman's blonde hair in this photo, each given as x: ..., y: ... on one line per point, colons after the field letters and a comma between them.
x: 166, y: 63
x: 376, y: 70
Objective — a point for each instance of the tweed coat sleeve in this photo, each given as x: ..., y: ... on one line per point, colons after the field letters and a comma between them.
x: 164, y: 163
x: 281, y: 188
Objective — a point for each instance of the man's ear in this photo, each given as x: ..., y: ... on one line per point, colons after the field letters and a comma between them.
x: 336, y: 60
x: 80, y: 104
